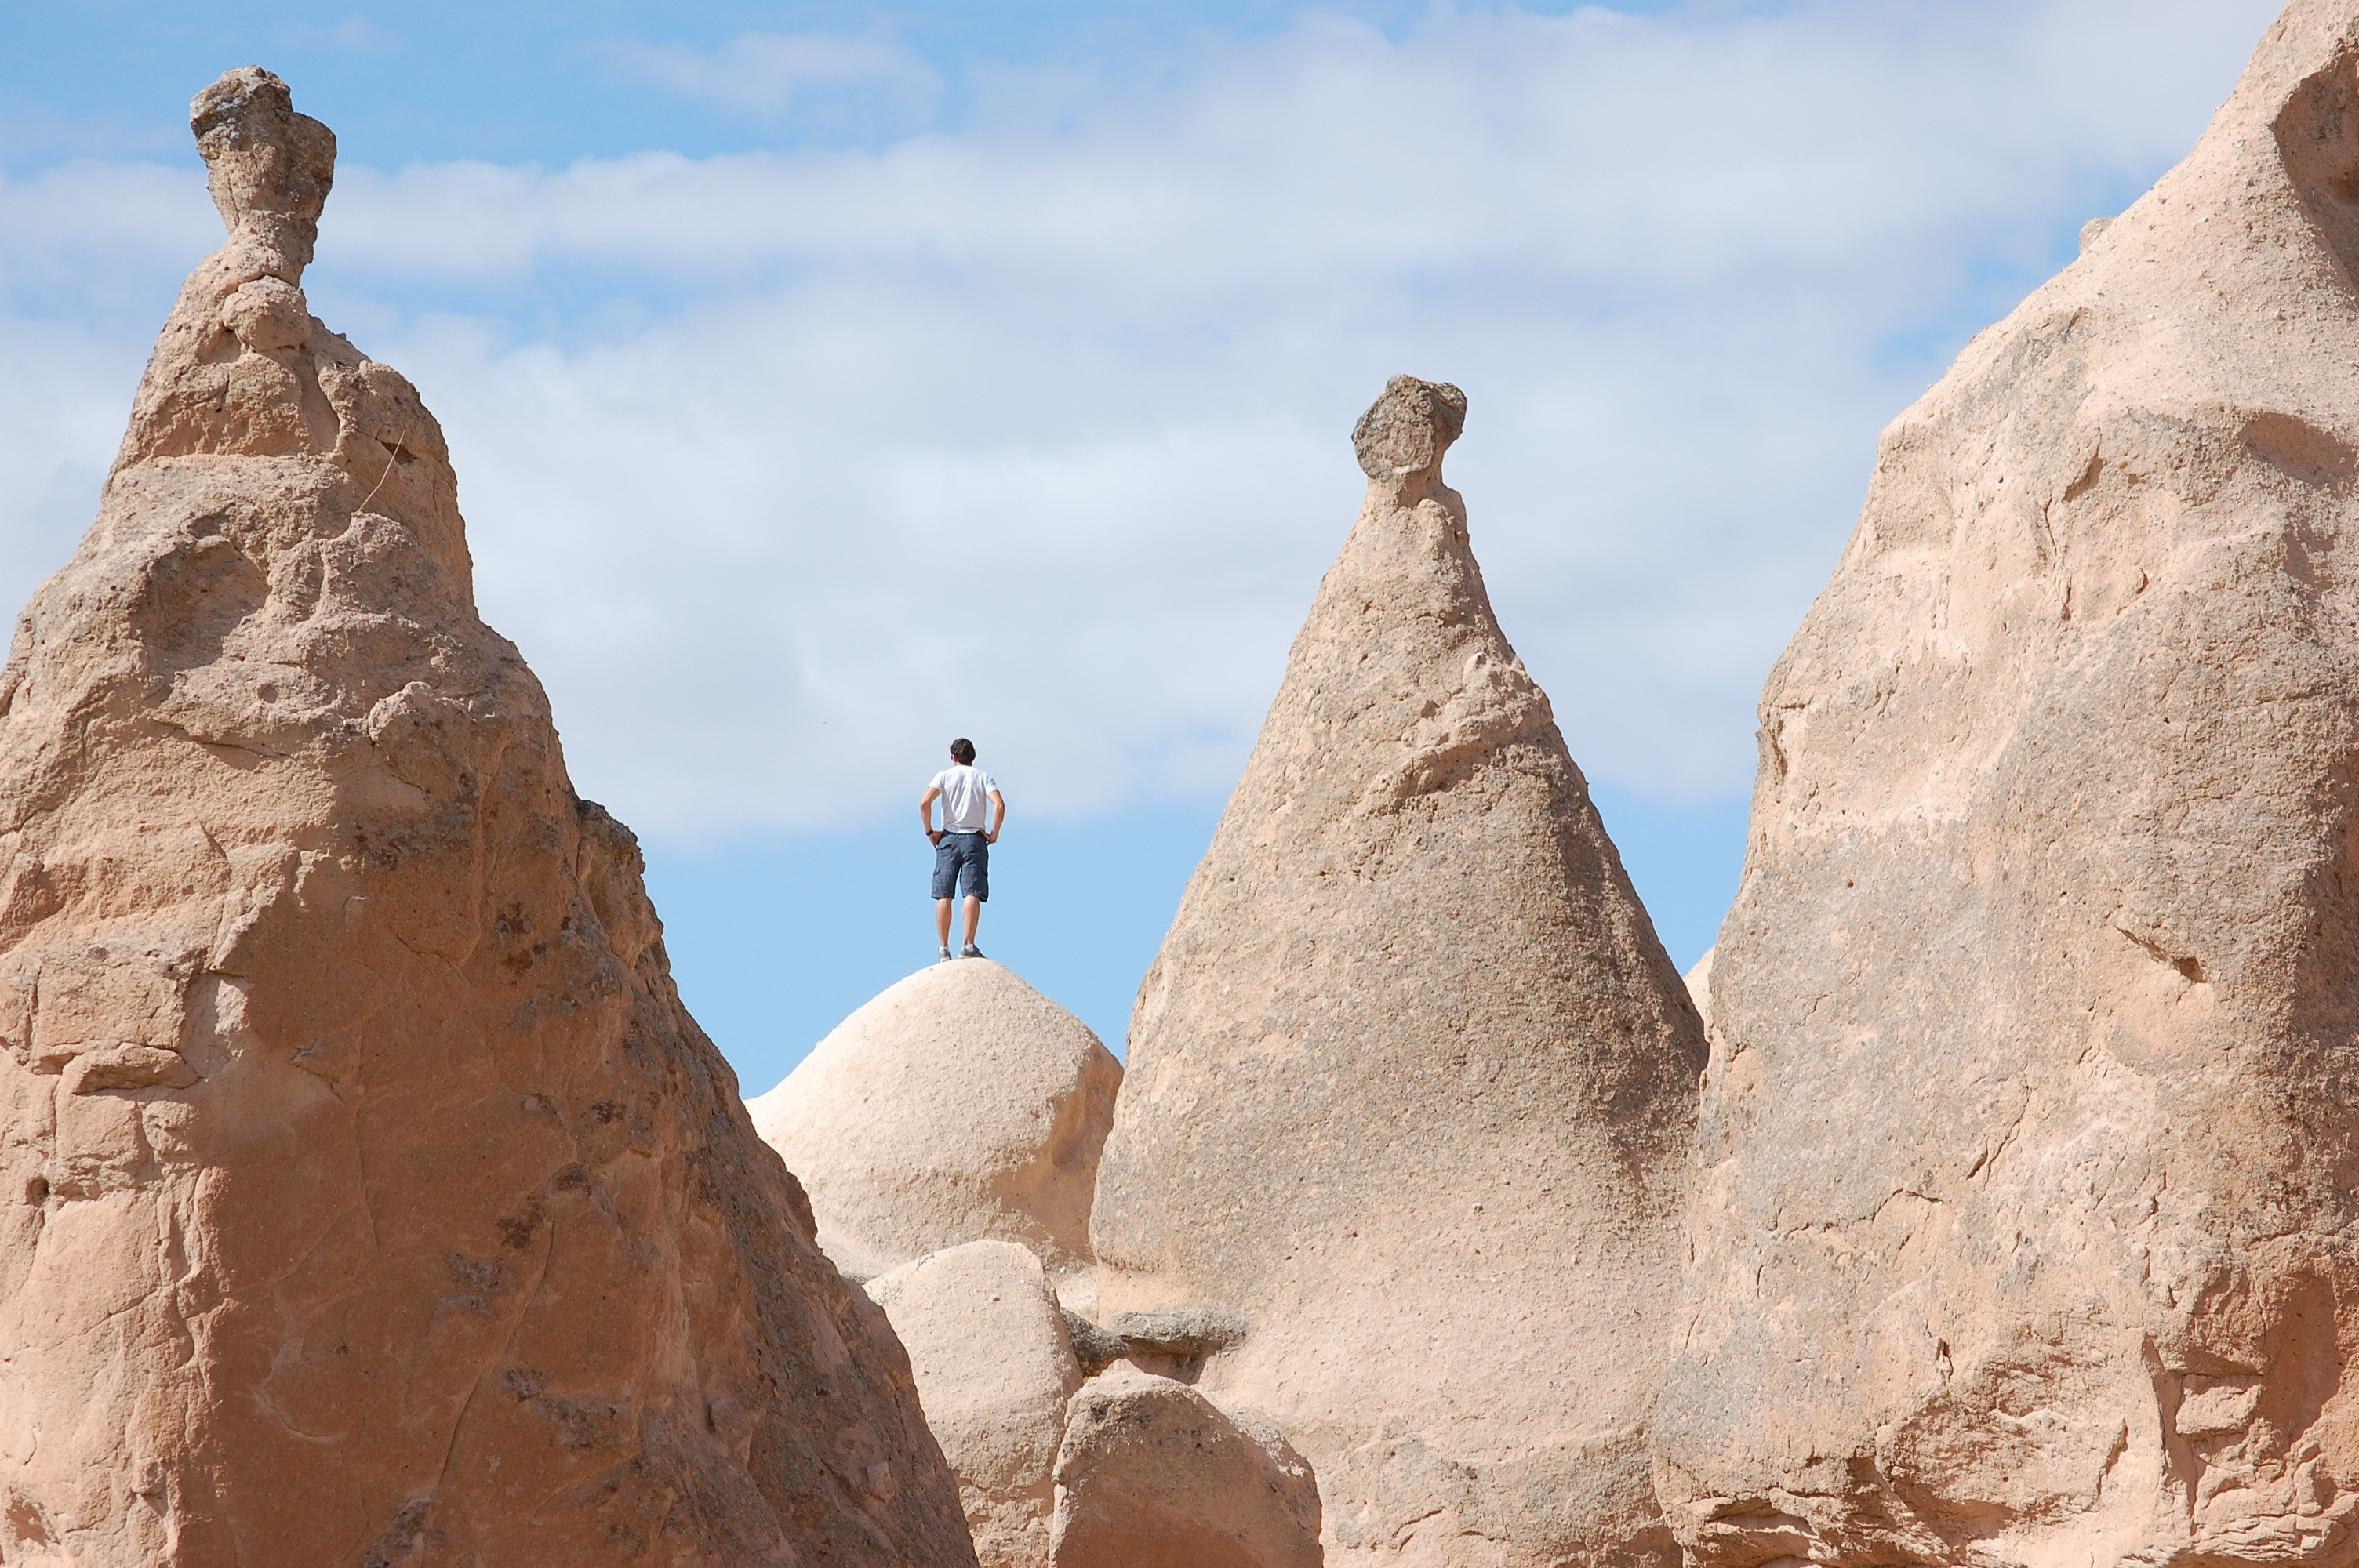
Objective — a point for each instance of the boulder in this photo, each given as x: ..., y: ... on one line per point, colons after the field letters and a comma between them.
x: 987, y: 1339
x: 2025, y: 1226
x: 1154, y: 1475
x: 371, y: 1199
x: 958, y: 1106
x: 1401, y: 1158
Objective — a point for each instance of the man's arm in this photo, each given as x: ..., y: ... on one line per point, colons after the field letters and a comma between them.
x: 926, y: 812
x: 998, y: 816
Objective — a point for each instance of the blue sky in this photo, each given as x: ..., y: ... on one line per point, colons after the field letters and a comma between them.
x: 556, y: 83
x: 828, y: 380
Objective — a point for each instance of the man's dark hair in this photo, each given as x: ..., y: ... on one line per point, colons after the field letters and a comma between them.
x: 962, y: 751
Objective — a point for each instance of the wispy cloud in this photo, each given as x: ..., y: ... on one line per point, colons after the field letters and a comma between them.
x: 358, y: 35
x: 781, y: 467
x: 767, y: 73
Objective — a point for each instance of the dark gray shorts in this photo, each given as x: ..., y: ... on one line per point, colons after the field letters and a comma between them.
x: 963, y: 856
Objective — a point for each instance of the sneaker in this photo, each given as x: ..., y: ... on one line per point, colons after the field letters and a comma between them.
x: 946, y: 956
x: 969, y: 951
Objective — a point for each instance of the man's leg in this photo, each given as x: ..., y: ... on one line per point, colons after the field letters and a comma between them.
x: 977, y: 889
x: 974, y: 914
x: 945, y: 890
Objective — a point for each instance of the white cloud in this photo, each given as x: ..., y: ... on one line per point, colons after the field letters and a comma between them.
x: 358, y: 35
x: 765, y: 73
x: 63, y: 410
x: 784, y: 467
x: 93, y: 232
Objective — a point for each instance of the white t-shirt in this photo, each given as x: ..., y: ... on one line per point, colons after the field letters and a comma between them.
x: 964, y: 806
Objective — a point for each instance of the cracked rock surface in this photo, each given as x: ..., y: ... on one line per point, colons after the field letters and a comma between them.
x: 2024, y: 1231
x: 367, y: 1196
x: 1411, y: 1084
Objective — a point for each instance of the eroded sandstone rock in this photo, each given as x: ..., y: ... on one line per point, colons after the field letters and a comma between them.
x: 987, y: 1341
x: 369, y: 1197
x: 959, y: 1105
x: 1154, y: 1475
x: 1699, y: 984
x: 1411, y: 1082
x: 2024, y: 1231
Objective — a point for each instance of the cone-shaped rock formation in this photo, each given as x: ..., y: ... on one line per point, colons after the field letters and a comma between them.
x: 369, y: 1196
x: 960, y: 1105
x: 2026, y: 1225
x: 1411, y: 1082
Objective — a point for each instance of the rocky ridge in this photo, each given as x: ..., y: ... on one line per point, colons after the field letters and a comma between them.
x: 2023, y: 1232
x: 364, y: 1174
x: 369, y: 1198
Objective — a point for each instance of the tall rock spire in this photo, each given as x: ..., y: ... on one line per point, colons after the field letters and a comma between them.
x: 367, y: 1196
x: 1410, y: 1085
x: 2026, y: 1225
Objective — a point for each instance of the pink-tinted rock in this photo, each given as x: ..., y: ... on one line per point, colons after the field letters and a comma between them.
x: 369, y: 1197
x: 994, y: 1369
x: 1400, y: 1156
x: 2025, y: 1226
x: 1154, y: 1475
x: 960, y: 1105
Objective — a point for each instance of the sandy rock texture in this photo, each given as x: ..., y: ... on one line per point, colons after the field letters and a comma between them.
x: 1699, y: 983
x: 369, y: 1197
x: 958, y: 1106
x: 1411, y: 1082
x: 2026, y: 1225
x: 994, y: 1369
x: 1154, y: 1475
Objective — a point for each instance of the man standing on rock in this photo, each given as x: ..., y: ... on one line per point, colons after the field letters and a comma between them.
x: 962, y: 845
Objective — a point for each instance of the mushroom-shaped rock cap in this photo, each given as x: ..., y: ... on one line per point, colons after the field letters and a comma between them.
x: 959, y: 1105
x: 269, y: 167
x: 1405, y: 431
